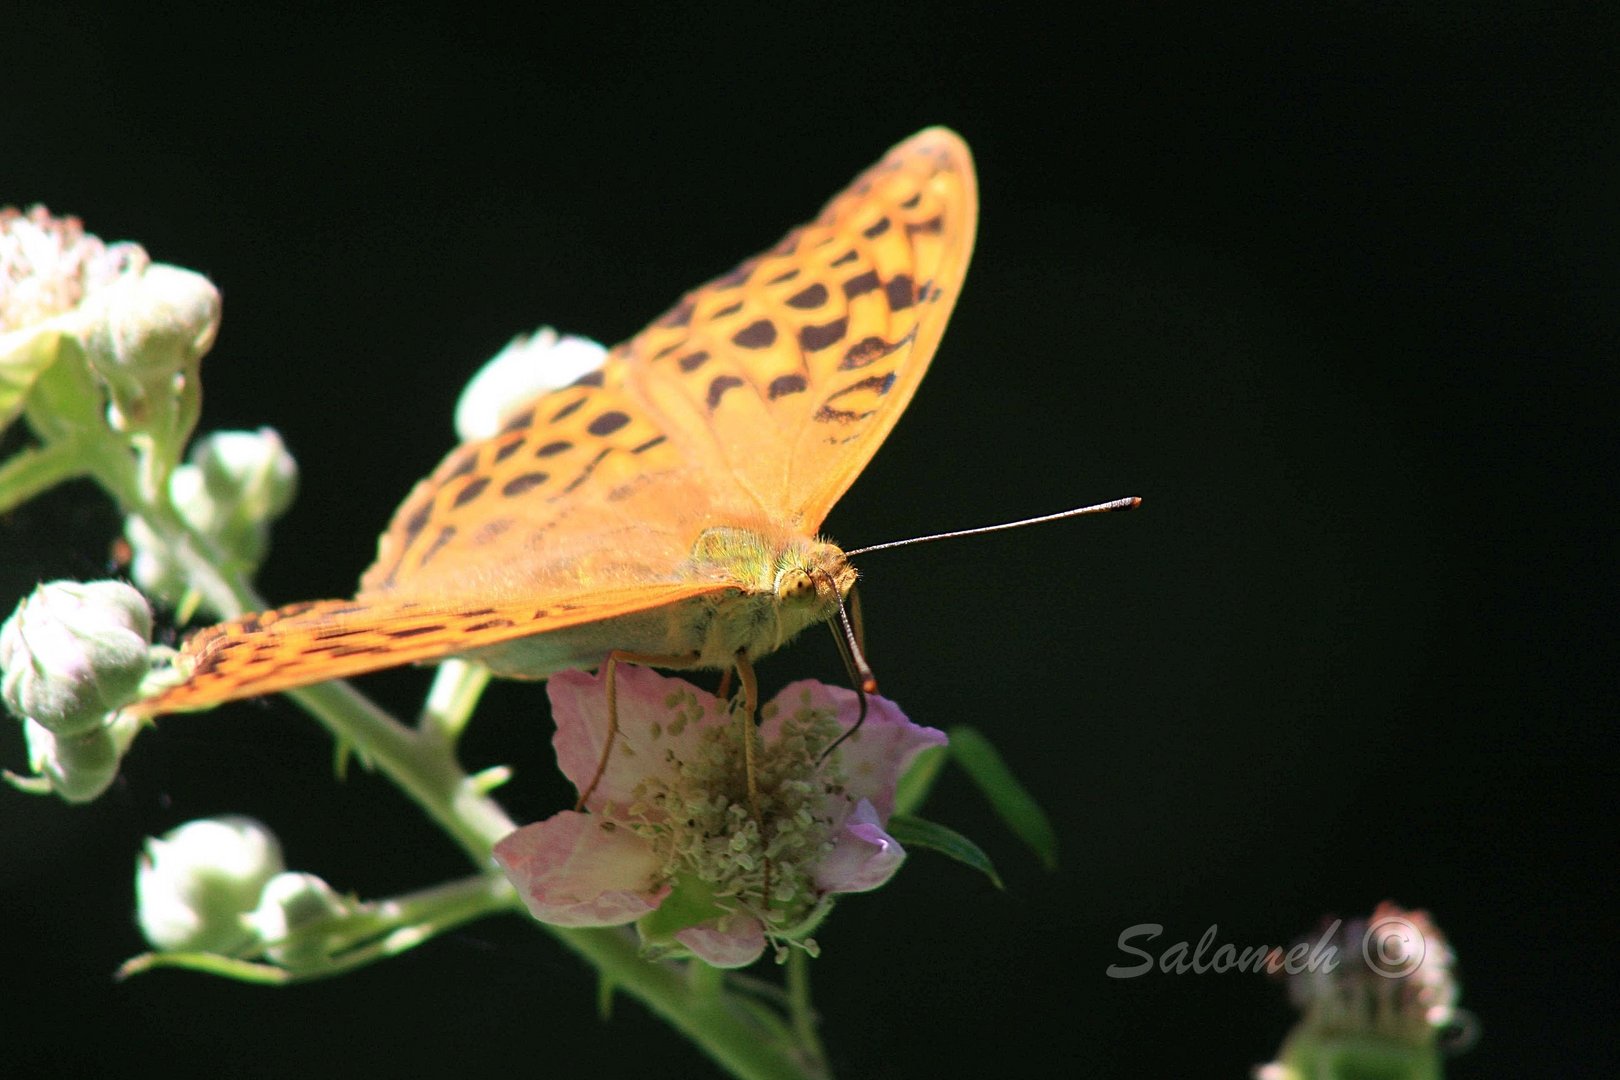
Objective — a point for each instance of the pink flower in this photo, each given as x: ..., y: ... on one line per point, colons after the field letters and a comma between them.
x: 671, y: 839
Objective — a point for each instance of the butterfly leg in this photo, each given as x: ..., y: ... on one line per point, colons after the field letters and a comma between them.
x: 750, y: 734
x: 610, y: 665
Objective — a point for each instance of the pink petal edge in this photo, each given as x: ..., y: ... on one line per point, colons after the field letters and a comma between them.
x: 733, y: 941
x: 863, y: 855
x: 572, y: 872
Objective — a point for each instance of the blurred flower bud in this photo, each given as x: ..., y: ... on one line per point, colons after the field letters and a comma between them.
x: 51, y: 273
x: 234, y: 485
x: 297, y: 919
x: 526, y: 367
x: 153, y: 330
x: 196, y: 886
x: 1383, y: 1002
x: 250, y: 473
x: 74, y: 652
x: 78, y: 768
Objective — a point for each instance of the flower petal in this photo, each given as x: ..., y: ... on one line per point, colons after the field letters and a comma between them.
x: 863, y: 855
x: 732, y: 942
x: 647, y: 728
x: 874, y: 757
x: 575, y: 870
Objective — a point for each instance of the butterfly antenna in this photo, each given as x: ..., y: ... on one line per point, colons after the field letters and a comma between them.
x: 847, y: 635
x: 1100, y: 508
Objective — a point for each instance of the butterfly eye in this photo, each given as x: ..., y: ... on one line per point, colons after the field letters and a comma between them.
x: 794, y: 583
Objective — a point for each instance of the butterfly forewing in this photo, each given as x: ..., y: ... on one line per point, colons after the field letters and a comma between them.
x: 754, y: 403
x: 788, y: 372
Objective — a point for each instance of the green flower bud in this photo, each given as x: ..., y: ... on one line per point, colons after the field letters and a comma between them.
x: 78, y: 768
x: 296, y: 920
x: 74, y: 652
x: 526, y: 367
x: 196, y: 886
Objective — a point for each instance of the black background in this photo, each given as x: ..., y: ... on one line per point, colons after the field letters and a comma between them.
x: 1335, y: 293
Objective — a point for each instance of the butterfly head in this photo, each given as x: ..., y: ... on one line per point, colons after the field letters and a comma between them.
x: 814, y: 576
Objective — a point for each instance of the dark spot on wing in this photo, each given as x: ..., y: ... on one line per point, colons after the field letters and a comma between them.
x: 489, y: 624
x: 866, y: 351
x: 693, y: 361
x: 809, y: 298
x: 446, y: 534
x: 524, y: 482
x: 876, y: 229
x: 901, y: 292
x: 608, y: 423
x: 551, y: 449
x: 650, y: 443
x: 679, y: 315
x: 814, y: 338
x: 417, y: 522
x: 760, y: 334
x: 518, y: 422
x: 466, y: 461
x: 414, y: 631
x: 473, y: 489
x: 861, y: 284
x: 783, y: 385
x: 584, y: 473
x: 719, y: 386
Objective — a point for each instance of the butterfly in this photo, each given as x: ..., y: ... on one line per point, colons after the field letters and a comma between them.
x: 663, y: 508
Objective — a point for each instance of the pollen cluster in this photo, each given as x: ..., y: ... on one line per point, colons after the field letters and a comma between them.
x: 700, y: 820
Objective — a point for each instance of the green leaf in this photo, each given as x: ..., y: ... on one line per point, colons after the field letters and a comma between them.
x: 916, y: 832
x: 1010, y: 799
x: 918, y: 780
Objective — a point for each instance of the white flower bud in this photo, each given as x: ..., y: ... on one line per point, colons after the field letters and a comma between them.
x: 249, y: 474
x: 74, y: 652
x: 79, y: 767
x: 295, y: 919
x: 153, y: 329
x: 526, y: 367
x: 196, y: 887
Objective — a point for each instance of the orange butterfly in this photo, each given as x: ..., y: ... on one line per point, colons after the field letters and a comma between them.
x: 663, y: 508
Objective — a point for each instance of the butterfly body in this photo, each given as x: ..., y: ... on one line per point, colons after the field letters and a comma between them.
x: 668, y: 503
x: 771, y: 588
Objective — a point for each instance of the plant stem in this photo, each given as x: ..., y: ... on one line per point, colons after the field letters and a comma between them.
x: 715, y: 1023
x: 38, y: 469
x: 800, y: 1010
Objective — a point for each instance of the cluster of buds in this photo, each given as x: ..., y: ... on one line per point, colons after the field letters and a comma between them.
x: 72, y: 654
x: 96, y: 335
